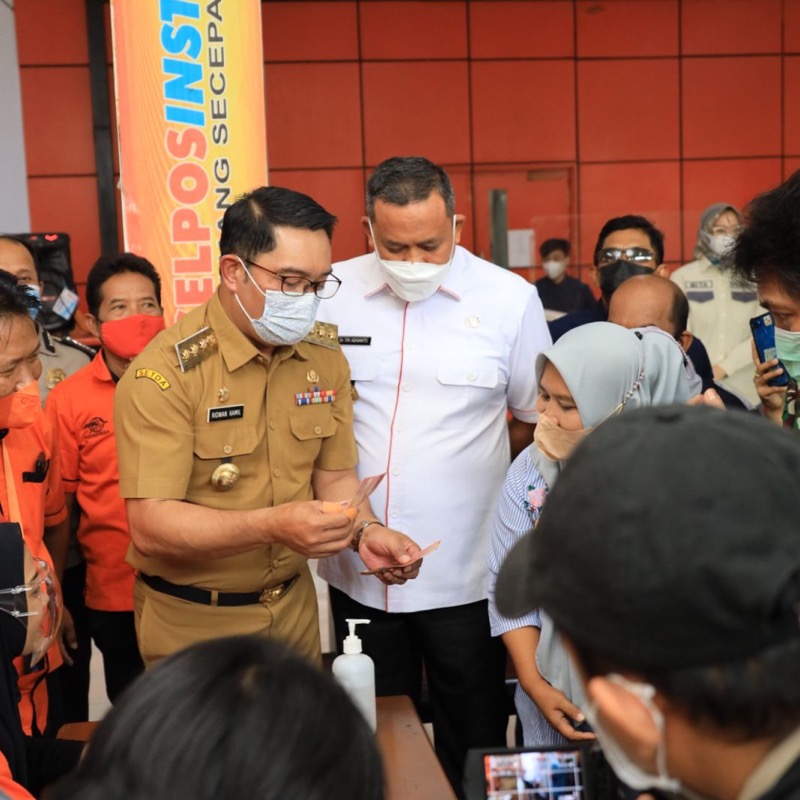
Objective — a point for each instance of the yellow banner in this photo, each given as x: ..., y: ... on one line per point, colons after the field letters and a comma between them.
x: 189, y: 85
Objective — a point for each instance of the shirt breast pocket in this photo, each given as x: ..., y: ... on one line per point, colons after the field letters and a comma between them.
x: 310, y: 427
x: 223, y: 442
x: 699, y: 295
x: 467, y: 388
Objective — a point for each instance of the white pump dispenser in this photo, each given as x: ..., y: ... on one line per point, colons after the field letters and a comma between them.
x: 355, y: 671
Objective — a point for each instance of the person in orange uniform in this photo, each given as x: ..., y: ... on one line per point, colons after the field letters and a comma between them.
x: 124, y: 298
x: 30, y: 482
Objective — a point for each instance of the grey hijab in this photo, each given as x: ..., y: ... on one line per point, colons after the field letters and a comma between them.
x: 707, y: 220
x: 608, y: 369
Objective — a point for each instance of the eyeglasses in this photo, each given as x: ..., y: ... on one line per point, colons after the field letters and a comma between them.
x: 638, y: 255
x: 297, y: 284
x: 719, y: 230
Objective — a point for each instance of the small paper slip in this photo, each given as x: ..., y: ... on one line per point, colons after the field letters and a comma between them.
x: 367, y: 487
x: 427, y: 551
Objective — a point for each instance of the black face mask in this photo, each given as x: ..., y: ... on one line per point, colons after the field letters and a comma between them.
x: 613, y: 275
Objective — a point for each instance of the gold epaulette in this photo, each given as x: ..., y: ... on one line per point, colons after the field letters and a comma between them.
x: 324, y: 333
x: 195, y: 348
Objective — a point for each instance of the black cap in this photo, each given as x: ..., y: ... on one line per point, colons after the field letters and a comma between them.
x: 671, y: 540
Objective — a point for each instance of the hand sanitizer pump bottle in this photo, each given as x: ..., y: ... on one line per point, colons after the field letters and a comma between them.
x: 355, y: 671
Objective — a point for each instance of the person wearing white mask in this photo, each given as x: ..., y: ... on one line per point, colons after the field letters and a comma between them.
x: 61, y: 355
x: 591, y: 374
x: 720, y: 309
x: 235, y: 445
x: 441, y: 346
x: 560, y: 293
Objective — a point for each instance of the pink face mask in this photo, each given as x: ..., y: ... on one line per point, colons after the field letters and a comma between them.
x: 127, y: 337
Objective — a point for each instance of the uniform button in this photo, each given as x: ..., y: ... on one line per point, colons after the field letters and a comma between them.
x: 272, y: 424
x: 277, y: 473
x: 260, y: 359
x: 317, y: 430
x: 406, y: 388
x: 394, y: 513
x: 399, y: 428
x: 275, y: 563
x: 472, y: 376
x: 395, y: 471
x: 227, y: 449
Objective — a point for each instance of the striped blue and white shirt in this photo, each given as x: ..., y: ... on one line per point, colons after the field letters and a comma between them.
x: 518, y: 508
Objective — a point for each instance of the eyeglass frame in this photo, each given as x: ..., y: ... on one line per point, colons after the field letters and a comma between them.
x: 311, y: 285
x: 626, y: 252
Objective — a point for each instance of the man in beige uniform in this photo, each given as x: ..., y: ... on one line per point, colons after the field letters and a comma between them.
x: 229, y: 424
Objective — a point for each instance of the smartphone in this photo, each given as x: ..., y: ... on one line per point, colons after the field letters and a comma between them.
x: 763, y: 330
x: 538, y: 773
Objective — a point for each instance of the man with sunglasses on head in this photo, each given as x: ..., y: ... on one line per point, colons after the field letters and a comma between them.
x: 627, y: 246
x: 236, y: 449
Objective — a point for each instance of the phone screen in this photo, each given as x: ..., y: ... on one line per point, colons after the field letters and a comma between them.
x: 535, y: 775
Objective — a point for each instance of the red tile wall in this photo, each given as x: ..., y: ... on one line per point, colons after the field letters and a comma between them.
x: 658, y: 107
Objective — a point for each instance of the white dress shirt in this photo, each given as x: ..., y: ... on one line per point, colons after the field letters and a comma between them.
x: 435, y: 380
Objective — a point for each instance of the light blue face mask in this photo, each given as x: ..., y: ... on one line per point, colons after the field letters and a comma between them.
x: 787, y: 345
x: 286, y: 318
x: 33, y: 289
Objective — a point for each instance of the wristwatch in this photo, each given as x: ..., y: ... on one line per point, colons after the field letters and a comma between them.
x: 362, y: 526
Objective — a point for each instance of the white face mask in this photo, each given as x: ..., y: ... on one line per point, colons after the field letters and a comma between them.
x: 414, y: 280
x: 554, y: 269
x: 286, y: 318
x: 626, y: 770
x: 719, y: 245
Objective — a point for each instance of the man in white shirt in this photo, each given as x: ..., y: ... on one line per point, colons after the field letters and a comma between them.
x: 441, y: 346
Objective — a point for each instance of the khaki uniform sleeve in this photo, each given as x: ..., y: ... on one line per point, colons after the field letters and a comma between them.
x: 154, y: 430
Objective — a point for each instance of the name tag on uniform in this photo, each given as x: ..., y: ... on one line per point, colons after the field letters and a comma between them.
x: 221, y: 413
x: 699, y: 284
x: 355, y: 340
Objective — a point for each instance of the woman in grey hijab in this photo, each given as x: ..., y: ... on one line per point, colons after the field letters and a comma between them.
x: 592, y: 373
x: 720, y: 310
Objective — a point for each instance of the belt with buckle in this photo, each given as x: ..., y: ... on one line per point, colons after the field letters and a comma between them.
x: 209, y: 597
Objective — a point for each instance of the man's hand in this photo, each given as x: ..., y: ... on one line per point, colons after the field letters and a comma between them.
x: 67, y: 639
x: 557, y: 709
x: 710, y: 397
x: 312, y: 528
x: 383, y: 547
x: 772, y: 398
x: 718, y: 372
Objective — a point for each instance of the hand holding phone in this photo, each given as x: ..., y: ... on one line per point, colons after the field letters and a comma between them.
x: 763, y: 330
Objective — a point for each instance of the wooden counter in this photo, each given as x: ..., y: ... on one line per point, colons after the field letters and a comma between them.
x: 412, y: 770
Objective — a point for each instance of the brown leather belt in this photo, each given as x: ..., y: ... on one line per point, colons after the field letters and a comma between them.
x: 211, y: 597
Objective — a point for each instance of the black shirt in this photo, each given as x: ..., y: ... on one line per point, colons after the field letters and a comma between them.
x: 569, y: 295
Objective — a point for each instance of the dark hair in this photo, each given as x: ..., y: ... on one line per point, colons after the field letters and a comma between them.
x: 239, y: 717
x: 105, y: 268
x: 627, y: 222
x: 15, y: 299
x: 10, y: 237
x: 549, y: 245
x: 747, y: 699
x: 679, y: 313
x: 248, y: 226
x: 769, y: 244
x: 401, y: 180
